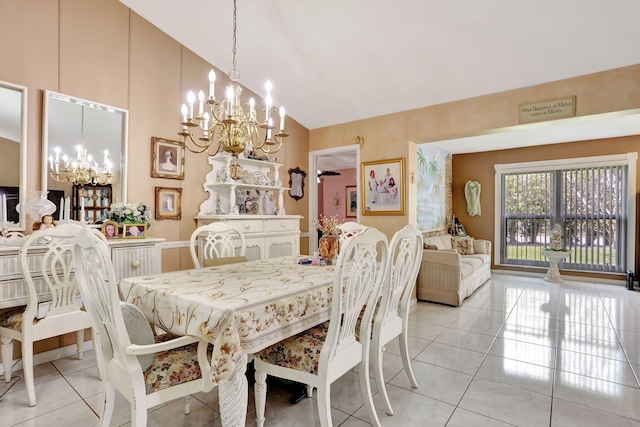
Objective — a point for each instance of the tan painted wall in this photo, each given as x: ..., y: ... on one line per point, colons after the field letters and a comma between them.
x: 109, y: 54
x: 393, y: 135
x: 102, y: 51
x: 479, y: 167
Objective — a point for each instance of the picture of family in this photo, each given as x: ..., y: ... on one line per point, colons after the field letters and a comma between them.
x: 382, y: 187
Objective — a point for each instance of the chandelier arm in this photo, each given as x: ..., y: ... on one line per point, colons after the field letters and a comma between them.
x: 194, y: 147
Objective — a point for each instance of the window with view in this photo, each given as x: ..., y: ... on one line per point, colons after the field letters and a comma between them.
x: 589, y: 198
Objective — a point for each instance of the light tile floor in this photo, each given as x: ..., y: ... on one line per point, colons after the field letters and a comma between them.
x: 520, y: 351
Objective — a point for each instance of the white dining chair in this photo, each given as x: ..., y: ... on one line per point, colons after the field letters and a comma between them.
x: 146, y: 370
x: 392, y: 317
x: 219, y: 242
x: 324, y: 353
x: 348, y: 229
x: 36, y: 321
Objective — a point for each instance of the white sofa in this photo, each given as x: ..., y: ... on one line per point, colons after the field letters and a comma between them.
x: 447, y: 276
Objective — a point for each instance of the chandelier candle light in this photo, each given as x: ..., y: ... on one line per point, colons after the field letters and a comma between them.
x: 232, y: 125
x: 83, y: 169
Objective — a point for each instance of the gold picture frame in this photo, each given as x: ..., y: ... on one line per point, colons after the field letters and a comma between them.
x: 134, y: 231
x: 168, y: 203
x: 167, y: 158
x: 383, y: 187
x: 351, y: 201
x: 110, y: 229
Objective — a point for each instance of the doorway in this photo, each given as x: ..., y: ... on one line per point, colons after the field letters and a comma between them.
x: 327, y: 161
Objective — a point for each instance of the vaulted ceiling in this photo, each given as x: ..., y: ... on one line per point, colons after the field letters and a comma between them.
x: 336, y: 61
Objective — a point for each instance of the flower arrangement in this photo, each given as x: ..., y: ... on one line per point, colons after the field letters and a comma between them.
x: 327, y: 224
x: 130, y: 213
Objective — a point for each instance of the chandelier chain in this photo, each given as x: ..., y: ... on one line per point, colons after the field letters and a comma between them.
x: 82, y: 124
x: 235, y: 24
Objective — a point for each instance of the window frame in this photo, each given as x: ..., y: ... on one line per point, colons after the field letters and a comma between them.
x: 628, y: 159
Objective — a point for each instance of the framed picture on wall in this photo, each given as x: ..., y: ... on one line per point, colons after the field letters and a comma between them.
x: 383, y: 187
x: 351, y: 202
x: 168, y: 203
x: 167, y: 158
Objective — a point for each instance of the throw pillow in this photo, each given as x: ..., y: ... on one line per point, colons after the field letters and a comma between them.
x: 139, y: 331
x: 463, y: 245
x: 430, y: 247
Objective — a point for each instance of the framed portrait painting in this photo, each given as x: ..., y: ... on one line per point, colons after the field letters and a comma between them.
x: 167, y: 158
x: 383, y: 187
x: 168, y: 203
x: 351, y: 202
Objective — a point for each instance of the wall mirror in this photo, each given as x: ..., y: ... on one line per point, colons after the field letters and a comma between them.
x: 296, y: 183
x: 70, y: 123
x: 13, y: 152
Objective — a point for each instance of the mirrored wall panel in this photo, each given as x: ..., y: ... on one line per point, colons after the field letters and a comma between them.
x: 13, y: 155
x: 85, y: 144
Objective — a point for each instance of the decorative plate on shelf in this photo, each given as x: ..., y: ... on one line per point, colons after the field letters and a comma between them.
x: 247, y: 178
x: 260, y: 178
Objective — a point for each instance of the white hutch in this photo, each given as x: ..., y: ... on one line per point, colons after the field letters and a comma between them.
x: 248, y: 193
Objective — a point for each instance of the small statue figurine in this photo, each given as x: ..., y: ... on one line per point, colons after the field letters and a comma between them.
x: 45, y: 222
x: 240, y: 202
x: 556, y: 238
x: 218, y: 205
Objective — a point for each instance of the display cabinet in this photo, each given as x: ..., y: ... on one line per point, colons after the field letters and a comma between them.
x: 243, y: 187
x: 97, y: 200
x: 248, y: 193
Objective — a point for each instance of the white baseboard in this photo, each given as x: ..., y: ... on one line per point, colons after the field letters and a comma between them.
x: 49, y: 356
x: 565, y: 277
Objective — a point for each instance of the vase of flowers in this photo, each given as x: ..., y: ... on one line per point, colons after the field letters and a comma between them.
x: 130, y: 213
x: 328, y: 244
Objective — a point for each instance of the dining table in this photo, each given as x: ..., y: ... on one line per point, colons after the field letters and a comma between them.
x: 240, y: 308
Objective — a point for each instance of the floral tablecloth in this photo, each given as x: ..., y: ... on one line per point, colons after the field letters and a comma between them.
x: 240, y: 308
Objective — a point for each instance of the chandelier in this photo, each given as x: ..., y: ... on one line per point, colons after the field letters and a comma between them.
x: 229, y: 125
x: 84, y: 169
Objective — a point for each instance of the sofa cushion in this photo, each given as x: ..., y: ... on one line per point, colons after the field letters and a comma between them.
x: 474, y: 262
x: 463, y: 245
x: 442, y: 242
x: 484, y: 258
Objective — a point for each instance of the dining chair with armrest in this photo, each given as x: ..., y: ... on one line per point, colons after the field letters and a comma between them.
x: 217, y: 241
x: 26, y: 324
x: 324, y: 353
x: 146, y: 370
x: 392, y: 317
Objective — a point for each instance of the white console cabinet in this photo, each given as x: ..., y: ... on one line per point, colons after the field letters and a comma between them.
x: 131, y: 257
x: 266, y: 236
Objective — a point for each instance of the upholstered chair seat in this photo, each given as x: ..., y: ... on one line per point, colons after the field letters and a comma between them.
x: 13, y: 319
x: 300, y: 352
x: 173, y: 367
